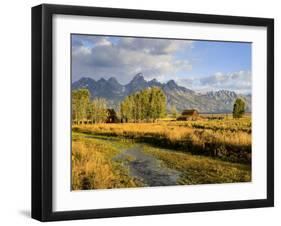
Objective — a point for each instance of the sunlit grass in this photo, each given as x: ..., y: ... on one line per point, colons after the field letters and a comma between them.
x: 94, y: 148
x: 229, y: 139
x: 93, y: 168
x: 94, y: 165
x: 201, y: 169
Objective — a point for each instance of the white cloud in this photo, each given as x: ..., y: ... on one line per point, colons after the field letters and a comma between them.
x: 81, y: 51
x: 154, y: 46
x: 98, y: 57
x: 239, y: 82
x: 104, y: 57
x: 103, y: 42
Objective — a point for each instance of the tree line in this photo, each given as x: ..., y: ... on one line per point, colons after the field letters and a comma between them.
x: 85, y: 110
x: 146, y: 105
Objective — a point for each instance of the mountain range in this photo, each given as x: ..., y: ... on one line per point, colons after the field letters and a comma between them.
x: 182, y: 98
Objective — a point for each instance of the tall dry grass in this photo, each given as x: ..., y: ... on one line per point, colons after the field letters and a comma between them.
x: 92, y: 167
x: 172, y: 131
x: 201, y: 169
x: 229, y: 139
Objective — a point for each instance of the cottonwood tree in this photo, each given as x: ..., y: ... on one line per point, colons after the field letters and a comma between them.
x: 148, y: 104
x: 238, y: 108
x: 80, y: 105
x: 174, y: 111
x: 83, y: 109
x: 99, y: 112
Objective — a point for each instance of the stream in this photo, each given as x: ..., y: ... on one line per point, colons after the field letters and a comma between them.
x: 148, y: 169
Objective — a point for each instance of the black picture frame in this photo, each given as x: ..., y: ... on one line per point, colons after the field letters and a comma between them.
x: 42, y: 111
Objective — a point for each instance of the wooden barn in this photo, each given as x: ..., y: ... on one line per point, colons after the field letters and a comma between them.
x: 188, y: 114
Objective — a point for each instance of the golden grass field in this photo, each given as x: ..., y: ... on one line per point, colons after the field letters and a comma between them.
x: 92, y: 167
x: 203, y: 151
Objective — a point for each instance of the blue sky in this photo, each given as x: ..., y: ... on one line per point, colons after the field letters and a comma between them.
x: 198, y: 65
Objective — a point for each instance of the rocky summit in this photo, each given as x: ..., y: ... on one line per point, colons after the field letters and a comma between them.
x: 182, y: 98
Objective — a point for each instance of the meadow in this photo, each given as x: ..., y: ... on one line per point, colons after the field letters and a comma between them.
x: 93, y: 168
x: 228, y: 139
x: 108, y: 155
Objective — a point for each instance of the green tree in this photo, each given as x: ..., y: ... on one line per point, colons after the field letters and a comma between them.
x: 126, y: 109
x: 238, y: 108
x: 158, y: 103
x: 174, y: 111
x: 80, y: 105
x: 148, y: 104
x: 99, y: 111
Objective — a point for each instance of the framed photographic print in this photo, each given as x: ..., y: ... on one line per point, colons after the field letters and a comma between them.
x: 145, y: 112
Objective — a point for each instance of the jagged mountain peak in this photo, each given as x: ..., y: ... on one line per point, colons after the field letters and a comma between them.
x: 155, y: 82
x: 113, y: 81
x: 84, y: 82
x: 172, y: 84
x: 137, y: 78
x: 86, y: 79
x: 226, y: 93
x: 101, y: 80
x: 179, y: 96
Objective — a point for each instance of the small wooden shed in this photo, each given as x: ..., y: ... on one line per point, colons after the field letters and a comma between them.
x: 188, y: 114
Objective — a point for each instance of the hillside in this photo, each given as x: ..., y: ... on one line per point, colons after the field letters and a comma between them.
x: 182, y: 98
